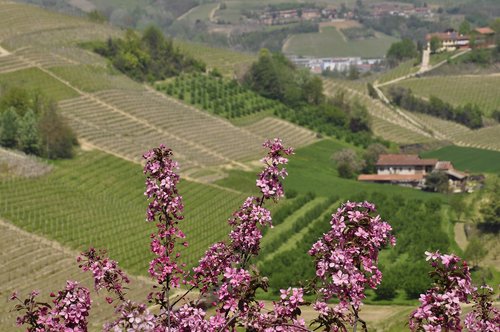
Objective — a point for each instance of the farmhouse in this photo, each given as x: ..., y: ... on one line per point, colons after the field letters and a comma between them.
x: 410, y: 170
x: 451, y: 40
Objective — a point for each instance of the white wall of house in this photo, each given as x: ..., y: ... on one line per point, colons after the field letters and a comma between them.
x: 405, y: 170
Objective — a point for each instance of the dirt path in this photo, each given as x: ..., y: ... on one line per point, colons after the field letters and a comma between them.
x: 211, y: 16
x: 460, y: 237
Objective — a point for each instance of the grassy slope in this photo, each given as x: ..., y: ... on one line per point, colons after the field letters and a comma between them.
x: 468, y: 159
x: 97, y: 200
x: 226, y: 61
x: 330, y: 43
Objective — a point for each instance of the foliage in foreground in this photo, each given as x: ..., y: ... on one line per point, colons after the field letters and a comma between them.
x: 345, y: 259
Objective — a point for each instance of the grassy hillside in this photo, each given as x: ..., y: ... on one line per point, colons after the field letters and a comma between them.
x: 330, y: 43
x: 483, y: 91
x: 226, y: 61
x: 468, y: 159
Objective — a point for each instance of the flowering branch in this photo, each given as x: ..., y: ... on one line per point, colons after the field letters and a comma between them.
x: 346, y: 263
x: 440, y: 305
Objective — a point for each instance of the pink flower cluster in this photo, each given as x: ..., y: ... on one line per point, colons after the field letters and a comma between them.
x: 69, y: 313
x: 107, y: 275
x: 165, y: 207
x: 440, y: 306
x: 269, y: 180
x: 484, y: 317
x: 346, y: 259
x: 132, y: 317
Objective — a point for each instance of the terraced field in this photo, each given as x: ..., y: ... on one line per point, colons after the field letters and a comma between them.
x: 97, y: 200
x: 36, y: 263
x: 406, y: 127
x: 109, y: 111
x: 292, y: 134
x: 483, y: 91
x: 387, y: 122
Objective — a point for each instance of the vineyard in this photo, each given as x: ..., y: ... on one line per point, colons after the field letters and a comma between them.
x: 405, y: 127
x: 227, y: 99
x: 459, y: 90
x: 100, y: 203
x: 386, y: 122
x: 37, y: 263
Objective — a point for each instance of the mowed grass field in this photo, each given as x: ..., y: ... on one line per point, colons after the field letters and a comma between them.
x: 97, y: 200
x: 483, y: 91
x: 468, y: 159
x: 331, y: 43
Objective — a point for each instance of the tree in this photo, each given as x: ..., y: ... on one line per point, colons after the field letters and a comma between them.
x: 56, y: 137
x: 400, y: 51
x: 464, y: 28
x: 491, y: 210
x: 29, y: 140
x: 475, y: 251
x: 348, y: 163
x: 371, y: 155
x: 437, y: 182
x: 435, y: 44
x: 9, y: 128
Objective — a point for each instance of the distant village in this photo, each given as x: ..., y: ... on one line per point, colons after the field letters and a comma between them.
x: 274, y: 16
x: 321, y: 65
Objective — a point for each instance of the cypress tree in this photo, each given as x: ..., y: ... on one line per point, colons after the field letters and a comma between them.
x: 9, y: 128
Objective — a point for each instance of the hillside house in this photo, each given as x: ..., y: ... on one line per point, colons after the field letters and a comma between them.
x: 410, y: 170
x: 484, y: 37
x: 450, y: 40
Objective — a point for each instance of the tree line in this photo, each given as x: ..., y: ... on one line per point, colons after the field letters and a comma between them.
x: 31, y: 123
x: 469, y: 115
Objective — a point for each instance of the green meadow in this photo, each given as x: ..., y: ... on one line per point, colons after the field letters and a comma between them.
x: 468, y: 159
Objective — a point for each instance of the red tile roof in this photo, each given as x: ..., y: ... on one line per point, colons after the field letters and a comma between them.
x: 485, y: 31
x: 447, y: 36
x: 404, y: 160
x: 444, y: 165
x: 391, y: 177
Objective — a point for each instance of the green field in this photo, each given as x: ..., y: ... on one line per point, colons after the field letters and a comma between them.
x: 459, y: 90
x: 35, y: 79
x: 97, y: 200
x: 468, y: 159
x: 330, y: 43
